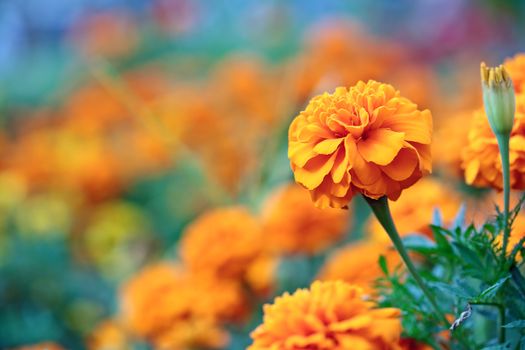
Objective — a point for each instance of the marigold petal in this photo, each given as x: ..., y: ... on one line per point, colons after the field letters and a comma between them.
x: 328, y: 146
x: 416, y: 125
x: 300, y: 153
x: 367, y: 173
x: 313, y: 173
x: 381, y: 146
x: 403, y: 165
x: 472, y: 171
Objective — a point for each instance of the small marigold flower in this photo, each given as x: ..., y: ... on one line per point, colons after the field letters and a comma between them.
x: 515, y: 66
x: 223, y: 242
x: 293, y: 224
x: 366, y: 139
x: 358, y: 264
x: 173, y: 309
x: 328, y: 315
x: 498, y: 98
x: 481, y: 159
x: 109, y: 334
x: 41, y: 346
x: 414, y: 211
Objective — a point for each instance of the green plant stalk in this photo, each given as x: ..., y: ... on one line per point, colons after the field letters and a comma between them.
x: 503, y: 143
x: 501, y: 311
x: 382, y: 212
x: 518, y: 279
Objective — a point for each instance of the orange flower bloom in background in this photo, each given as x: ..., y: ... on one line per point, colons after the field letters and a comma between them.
x: 108, y: 335
x: 41, y: 346
x: 446, y: 155
x: 481, y: 160
x: 222, y: 242
x: 515, y: 66
x: 328, y: 315
x: 411, y: 344
x: 292, y: 223
x: 173, y: 309
x: 366, y: 139
x: 413, y: 212
x: 358, y: 264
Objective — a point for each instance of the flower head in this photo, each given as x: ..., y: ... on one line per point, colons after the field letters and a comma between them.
x: 481, y: 160
x: 328, y: 316
x: 292, y: 223
x: 171, y: 308
x: 516, y: 68
x: 222, y: 242
x: 358, y: 264
x: 366, y: 139
x: 498, y: 97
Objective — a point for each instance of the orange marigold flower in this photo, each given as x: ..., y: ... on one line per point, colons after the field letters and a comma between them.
x: 454, y: 130
x: 108, y: 335
x: 231, y: 239
x: 481, y: 160
x: 413, y: 212
x: 366, y: 139
x: 358, y: 264
x: 41, y: 346
x: 515, y: 66
x: 188, y: 308
x: 328, y: 315
x: 293, y: 224
x: 411, y: 344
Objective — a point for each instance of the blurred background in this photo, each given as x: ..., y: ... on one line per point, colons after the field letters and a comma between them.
x: 122, y: 121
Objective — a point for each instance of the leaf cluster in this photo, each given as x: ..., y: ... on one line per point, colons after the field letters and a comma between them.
x: 474, y: 280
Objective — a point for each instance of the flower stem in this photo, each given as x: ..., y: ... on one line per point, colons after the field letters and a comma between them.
x: 518, y: 279
x: 382, y: 212
x: 503, y: 143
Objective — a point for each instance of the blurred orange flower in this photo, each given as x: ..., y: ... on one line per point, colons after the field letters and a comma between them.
x: 365, y: 139
x: 515, y: 66
x: 108, y: 335
x: 188, y: 309
x: 41, y: 346
x: 414, y: 211
x: 328, y: 315
x: 411, y: 344
x: 358, y: 264
x: 222, y: 242
x: 446, y: 154
x: 481, y: 159
x: 292, y: 223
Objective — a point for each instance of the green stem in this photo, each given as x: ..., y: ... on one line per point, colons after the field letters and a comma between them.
x: 518, y: 279
x: 382, y: 212
x: 501, y: 311
x: 503, y: 143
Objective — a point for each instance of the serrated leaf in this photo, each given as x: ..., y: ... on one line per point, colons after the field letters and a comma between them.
x: 459, y: 220
x: 515, y: 324
x: 437, y: 217
x: 420, y: 244
x: 441, y: 241
x: 449, y: 289
x: 383, y: 264
x: 491, y: 291
x: 516, y: 249
x: 467, y: 254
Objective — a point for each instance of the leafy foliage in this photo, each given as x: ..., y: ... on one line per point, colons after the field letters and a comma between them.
x: 466, y: 268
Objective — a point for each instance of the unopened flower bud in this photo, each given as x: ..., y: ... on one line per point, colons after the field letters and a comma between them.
x: 498, y: 98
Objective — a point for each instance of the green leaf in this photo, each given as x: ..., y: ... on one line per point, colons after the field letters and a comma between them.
x: 459, y: 220
x: 515, y: 324
x: 505, y: 346
x: 491, y: 291
x: 383, y: 264
x: 441, y: 241
x: 420, y: 244
x: 449, y: 289
x: 467, y: 255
